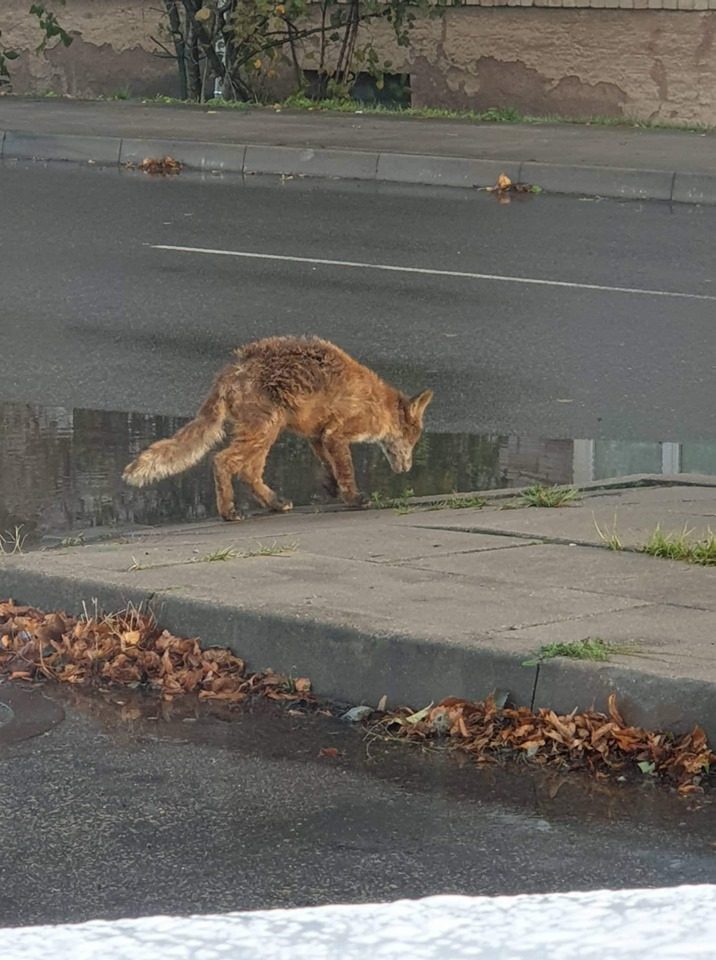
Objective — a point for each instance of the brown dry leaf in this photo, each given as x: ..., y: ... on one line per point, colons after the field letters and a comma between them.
x: 462, y: 727
x: 688, y: 789
x: 613, y: 712
x: 234, y: 696
x: 130, y: 638
x: 302, y: 685
x: 329, y: 753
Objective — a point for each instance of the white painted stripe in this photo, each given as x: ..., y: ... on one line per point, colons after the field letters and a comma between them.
x: 460, y: 274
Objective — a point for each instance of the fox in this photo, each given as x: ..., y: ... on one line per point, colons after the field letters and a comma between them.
x: 306, y: 386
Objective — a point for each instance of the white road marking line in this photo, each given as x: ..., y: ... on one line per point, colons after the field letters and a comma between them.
x: 461, y: 274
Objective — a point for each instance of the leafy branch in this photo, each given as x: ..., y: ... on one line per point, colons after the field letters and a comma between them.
x: 239, y: 45
x: 50, y: 30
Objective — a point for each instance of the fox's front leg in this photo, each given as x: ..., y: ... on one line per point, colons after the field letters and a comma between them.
x: 330, y: 484
x: 338, y: 454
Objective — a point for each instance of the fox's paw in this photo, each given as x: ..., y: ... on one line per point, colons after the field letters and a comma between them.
x: 358, y: 501
x: 282, y: 506
x: 231, y: 516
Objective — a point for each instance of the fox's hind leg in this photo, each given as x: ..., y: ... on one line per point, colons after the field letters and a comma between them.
x: 245, y: 458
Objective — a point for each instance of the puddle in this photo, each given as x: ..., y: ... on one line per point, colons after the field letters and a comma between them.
x: 269, y: 732
x: 61, y: 470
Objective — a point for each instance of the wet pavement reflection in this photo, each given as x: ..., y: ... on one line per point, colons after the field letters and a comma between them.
x: 61, y: 469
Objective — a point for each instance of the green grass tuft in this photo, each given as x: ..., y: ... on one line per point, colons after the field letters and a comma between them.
x: 591, y: 648
x: 680, y: 546
x: 400, y: 503
x: 539, y: 496
x: 459, y: 503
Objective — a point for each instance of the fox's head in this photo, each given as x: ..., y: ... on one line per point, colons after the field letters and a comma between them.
x: 398, y: 446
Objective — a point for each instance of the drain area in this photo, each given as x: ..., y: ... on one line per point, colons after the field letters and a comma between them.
x: 25, y: 712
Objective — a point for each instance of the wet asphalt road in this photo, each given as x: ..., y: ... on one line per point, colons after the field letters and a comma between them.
x: 118, y: 812
x: 93, y: 316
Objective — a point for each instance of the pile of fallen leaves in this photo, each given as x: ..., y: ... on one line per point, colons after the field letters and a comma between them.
x: 129, y: 648
x: 602, y: 744
x: 157, y: 166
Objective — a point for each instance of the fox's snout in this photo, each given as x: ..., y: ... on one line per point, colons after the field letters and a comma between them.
x: 399, y: 455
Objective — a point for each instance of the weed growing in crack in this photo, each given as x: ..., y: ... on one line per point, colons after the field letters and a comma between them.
x: 680, y: 546
x: 539, y: 496
x: 590, y: 648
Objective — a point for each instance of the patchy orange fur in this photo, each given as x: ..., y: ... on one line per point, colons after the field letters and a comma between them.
x: 307, y: 386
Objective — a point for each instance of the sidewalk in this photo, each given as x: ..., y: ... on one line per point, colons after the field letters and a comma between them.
x: 560, y: 158
x: 430, y: 603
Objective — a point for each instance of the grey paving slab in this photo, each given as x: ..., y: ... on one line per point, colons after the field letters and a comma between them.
x: 632, y: 514
x: 590, y: 569
x: 656, y: 639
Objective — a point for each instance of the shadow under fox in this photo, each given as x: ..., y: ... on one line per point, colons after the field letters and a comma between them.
x: 307, y: 386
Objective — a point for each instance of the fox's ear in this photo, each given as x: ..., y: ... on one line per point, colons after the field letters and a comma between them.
x: 418, y: 404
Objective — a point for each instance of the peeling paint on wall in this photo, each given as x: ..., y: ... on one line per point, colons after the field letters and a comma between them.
x: 642, y: 64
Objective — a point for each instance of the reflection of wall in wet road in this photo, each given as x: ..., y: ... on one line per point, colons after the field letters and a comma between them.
x: 601, y: 459
x: 526, y: 460
x: 61, y: 469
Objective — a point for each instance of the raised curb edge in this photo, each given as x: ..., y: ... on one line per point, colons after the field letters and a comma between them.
x: 373, y: 166
x: 408, y: 670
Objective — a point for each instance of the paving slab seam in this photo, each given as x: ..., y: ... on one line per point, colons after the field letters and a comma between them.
x: 542, y: 538
x: 659, y: 603
x: 576, y: 618
x: 533, y: 698
x: 409, y: 561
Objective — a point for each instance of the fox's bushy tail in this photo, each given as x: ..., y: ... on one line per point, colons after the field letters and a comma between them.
x: 188, y: 445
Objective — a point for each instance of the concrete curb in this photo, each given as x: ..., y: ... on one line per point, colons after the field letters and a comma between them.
x: 354, y: 666
x: 372, y: 166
